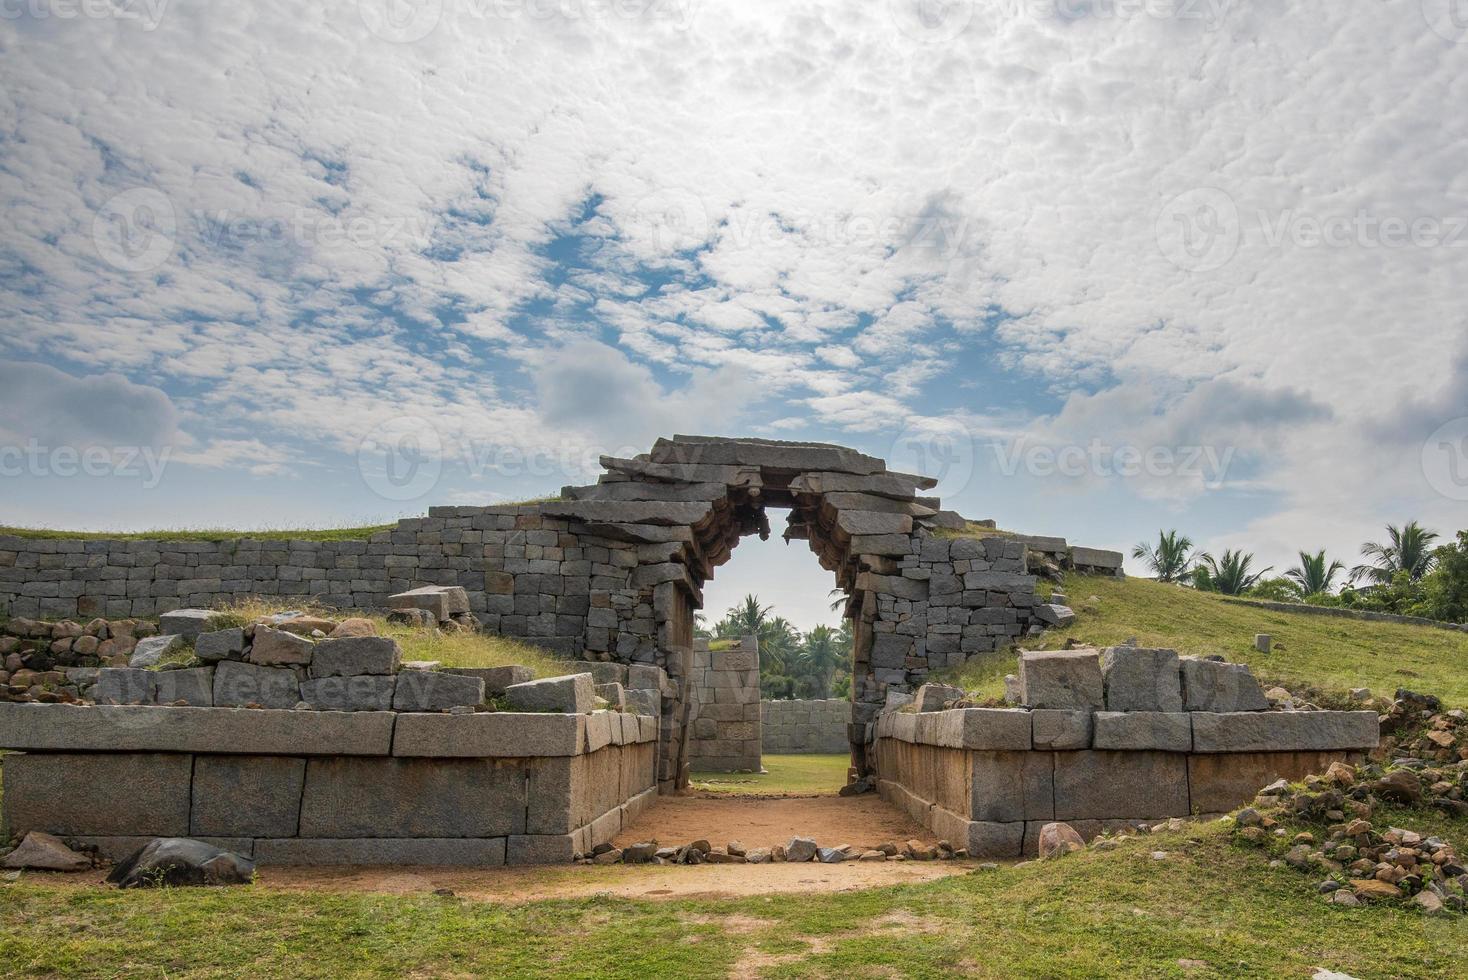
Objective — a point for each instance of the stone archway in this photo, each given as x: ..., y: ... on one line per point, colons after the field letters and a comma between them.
x: 615, y: 570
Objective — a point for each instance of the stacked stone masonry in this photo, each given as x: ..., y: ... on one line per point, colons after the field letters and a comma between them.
x: 308, y: 787
x: 724, y: 735
x: 613, y: 571
x: 1187, y: 738
x: 804, y: 727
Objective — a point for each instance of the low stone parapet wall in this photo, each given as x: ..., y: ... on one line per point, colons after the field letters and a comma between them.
x: 326, y: 787
x: 989, y: 778
x: 724, y: 733
x: 805, y: 727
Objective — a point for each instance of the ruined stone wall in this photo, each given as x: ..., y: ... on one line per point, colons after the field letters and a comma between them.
x: 804, y: 727
x: 725, y: 732
x: 309, y: 787
x: 1105, y: 740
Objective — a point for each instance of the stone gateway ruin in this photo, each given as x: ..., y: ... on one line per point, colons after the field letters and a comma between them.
x: 399, y: 765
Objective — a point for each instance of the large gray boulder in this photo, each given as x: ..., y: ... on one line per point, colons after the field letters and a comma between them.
x: 1055, y: 615
x: 226, y: 644
x: 422, y: 690
x: 1141, y: 679
x: 279, y: 648
x: 573, y: 694
x: 354, y: 656
x: 1215, y: 686
x: 151, y: 650
x: 1067, y: 679
x: 187, y: 623
x: 237, y: 685
x: 179, y: 861
x: 800, y: 849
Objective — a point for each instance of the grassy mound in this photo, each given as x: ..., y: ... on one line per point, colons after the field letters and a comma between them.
x: 1329, y: 653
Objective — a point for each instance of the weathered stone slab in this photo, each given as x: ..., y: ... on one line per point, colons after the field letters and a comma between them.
x: 238, y: 684
x: 151, y: 650
x: 1067, y: 679
x: 246, y: 796
x: 1056, y: 730
x: 895, y: 545
x: 859, y: 522
x: 355, y: 656
x: 187, y: 623
x: 226, y: 644
x: 541, y: 849
x: 774, y: 454
x: 124, y: 685
x: 1221, y: 783
x: 346, y: 798
x: 1211, y: 685
x: 899, y: 486
x: 126, y: 728
x: 111, y: 794
x: 645, y: 490
x: 433, y: 691
x: 932, y: 697
x: 1285, y: 731
x: 1120, y: 785
x: 1053, y: 614
x: 502, y: 735
x: 1010, y: 786
x: 272, y: 647
x: 368, y: 852
x: 1138, y: 679
x: 602, y: 672
x: 496, y: 679
x: 1095, y: 558
x: 1161, y: 731
x: 194, y: 686
x: 982, y: 838
x: 573, y: 694
x: 662, y: 513
x: 439, y: 601
x: 367, y: 693
x: 994, y: 729
x: 645, y: 677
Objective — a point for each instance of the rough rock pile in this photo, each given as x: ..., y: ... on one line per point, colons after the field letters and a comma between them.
x: 798, y: 849
x: 1357, y: 860
x: 54, y: 663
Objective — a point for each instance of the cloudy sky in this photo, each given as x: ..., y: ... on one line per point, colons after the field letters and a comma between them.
x: 1103, y: 267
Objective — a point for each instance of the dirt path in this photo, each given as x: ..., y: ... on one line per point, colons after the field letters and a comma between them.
x: 764, y: 821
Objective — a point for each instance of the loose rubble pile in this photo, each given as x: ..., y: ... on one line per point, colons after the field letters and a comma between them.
x: 797, y: 850
x: 55, y: 663
x: 1359, y: 861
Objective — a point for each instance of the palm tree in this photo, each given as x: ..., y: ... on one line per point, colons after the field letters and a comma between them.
x: 748, y: 618
x: 1229, y: 574
x: 821, y: 654
x: 1313, y: 576
x: 838, y: 599
x: 1172, y: 557
x: 1408, y: 550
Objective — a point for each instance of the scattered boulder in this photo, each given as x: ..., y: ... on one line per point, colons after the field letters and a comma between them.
x: 226, y: 644
x: 1058, y: 840
x: 278, y: 648
x: 187, y: 623
x: 800, y: 849
x: 574, y: 694
x: 355, y: 626
x: 43, y: 852
x: 151, y: 651
x: 179, y: 861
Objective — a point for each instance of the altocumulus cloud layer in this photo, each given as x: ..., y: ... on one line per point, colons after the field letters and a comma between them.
x: 577, y: 224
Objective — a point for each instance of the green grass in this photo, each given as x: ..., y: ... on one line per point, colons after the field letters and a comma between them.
x: 1093, y: 914
x: 203, y: 534
x: 784, y: 775
x: 1323, y: 652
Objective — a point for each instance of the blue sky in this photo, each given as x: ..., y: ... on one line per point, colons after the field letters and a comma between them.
x: 1101, y: 269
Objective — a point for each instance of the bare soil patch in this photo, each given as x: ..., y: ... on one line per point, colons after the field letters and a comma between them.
x: 763, y: 822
